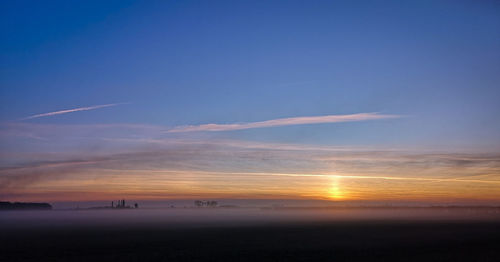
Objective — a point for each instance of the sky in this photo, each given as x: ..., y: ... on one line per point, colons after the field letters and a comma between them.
x: 331, y: 100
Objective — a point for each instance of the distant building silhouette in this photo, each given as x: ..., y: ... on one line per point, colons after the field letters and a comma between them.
x: 200, y: 203
x: 120, y: 204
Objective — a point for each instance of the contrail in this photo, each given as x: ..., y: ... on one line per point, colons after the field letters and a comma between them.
x: 70, y: 111
x: 283, y: 122
x: 428, y: 179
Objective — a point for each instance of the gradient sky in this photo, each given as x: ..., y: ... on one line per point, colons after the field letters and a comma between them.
x: 338, y: 100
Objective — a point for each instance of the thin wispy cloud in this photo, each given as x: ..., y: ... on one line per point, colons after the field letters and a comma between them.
x: 141, y: 161
x: 283, y: 122
x: 70, y: 111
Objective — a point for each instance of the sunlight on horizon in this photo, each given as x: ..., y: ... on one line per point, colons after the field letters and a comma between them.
x: 335, y: 191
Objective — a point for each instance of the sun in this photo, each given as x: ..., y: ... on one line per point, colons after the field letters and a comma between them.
x: 335, y: 190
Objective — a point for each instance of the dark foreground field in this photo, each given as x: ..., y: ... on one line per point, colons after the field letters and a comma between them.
x: 274, y: 240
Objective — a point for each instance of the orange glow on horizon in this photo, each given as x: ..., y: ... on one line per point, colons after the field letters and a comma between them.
x: 335, y: 191
x: 173, y: 184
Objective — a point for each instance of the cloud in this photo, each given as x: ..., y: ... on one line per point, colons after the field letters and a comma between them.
x: 173, y: 167
x: 283, y: 122
x: 70, y: 111
x: 198, y: 158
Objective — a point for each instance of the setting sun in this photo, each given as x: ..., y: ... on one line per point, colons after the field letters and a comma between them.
x: 335, y: 192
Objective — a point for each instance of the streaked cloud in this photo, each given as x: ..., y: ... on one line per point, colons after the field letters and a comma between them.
x: 144, y: 161
x: 173, y: 167
x: 70, y: 111
x: 284, y: 122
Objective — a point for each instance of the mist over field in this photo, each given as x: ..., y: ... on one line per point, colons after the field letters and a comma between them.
x: 234, y: 217
x: 252, y: 234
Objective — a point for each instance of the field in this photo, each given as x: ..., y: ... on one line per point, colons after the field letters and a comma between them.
x: 252, y: 235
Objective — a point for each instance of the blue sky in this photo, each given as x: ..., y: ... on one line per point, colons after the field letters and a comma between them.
x: 196, y: 62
